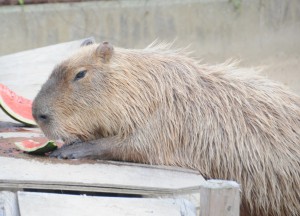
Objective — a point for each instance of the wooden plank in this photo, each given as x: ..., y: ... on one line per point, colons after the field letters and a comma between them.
x: 98, y: 176
x: 220, y: 198
x: 192, y: 197
x: 20, y: 134
x: 8, y: 204
x: 36, y: 204
x: 26, y: 71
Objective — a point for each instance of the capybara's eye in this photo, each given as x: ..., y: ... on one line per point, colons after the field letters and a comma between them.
x: 80, y: 75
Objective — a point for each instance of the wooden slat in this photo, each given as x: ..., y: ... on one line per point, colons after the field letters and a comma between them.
x: 220, y: 198
x: 37, y: 204
x: 20, y: 134
x: 8, y: 204
x: 115, y: 177
x: 27, y: 2
x: 26, y: 71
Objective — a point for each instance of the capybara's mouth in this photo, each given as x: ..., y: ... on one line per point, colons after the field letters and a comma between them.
x: 53, y: 134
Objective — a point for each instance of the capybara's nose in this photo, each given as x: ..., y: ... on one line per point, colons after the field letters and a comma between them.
x: 43, y: 118
x: 40, y: 115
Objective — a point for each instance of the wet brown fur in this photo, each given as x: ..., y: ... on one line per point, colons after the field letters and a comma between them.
x: 223, y: 121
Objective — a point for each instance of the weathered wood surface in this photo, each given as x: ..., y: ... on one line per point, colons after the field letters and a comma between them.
x: 98, y: 176
x: 37, y: 204
x: 8, y: 204
x: 20, y: 134
x: 220, y: 198
x: 26, y: 71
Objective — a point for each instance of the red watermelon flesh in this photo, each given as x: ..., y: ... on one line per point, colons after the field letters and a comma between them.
x: 35, y: 147
x: 15, y: 106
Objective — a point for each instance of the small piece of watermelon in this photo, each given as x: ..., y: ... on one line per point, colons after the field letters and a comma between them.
x: 15, y: 106
x: 34, y: 147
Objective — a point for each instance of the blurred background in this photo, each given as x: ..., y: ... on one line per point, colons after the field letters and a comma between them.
x: 258, y: 32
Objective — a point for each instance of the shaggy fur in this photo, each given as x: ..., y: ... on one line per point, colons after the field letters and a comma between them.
x: 223, y: 121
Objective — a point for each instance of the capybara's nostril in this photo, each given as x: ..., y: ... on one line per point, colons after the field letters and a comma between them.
x: 43, y: 117
x: 40, y: 113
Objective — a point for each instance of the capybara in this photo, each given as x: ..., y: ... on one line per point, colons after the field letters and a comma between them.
x: 159, y: 106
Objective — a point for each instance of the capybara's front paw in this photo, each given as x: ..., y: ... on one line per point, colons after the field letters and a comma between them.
x: 71, y: 151
x: 63, y: 154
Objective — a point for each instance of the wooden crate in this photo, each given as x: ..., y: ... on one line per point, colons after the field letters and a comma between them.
x: 170, y: 186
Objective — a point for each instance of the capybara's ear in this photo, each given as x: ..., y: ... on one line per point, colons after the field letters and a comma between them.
x: 87, y: 42
x: 105, y: 51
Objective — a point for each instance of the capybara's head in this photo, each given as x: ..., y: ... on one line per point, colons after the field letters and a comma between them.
x: 69, y: 102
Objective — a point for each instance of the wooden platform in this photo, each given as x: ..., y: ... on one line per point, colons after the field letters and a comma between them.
x: 114, y: 188
x: 99, y: 176
x: 151, y: 189
x: 171, y: 189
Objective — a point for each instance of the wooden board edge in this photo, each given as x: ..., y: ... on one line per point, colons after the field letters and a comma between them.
x: 220, y: 198
x: 99, y: 188
x: 9, y: 204
x: 183, y: 207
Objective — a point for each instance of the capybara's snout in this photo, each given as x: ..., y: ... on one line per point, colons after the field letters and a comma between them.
x: 41, y: 111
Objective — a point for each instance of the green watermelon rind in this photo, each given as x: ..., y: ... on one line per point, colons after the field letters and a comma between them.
x: 14, y: 115
x: 48, y: 146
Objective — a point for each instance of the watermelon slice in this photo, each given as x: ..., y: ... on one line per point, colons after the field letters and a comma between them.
x: 34, y: 147
x: 15, y: 106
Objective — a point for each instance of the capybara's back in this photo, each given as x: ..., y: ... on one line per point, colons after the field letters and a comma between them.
x: 163, y: 107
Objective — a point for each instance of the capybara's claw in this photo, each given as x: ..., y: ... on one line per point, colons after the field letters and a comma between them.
x: 60, y: 154
x: 71, y: 151
x: 55, y: 154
